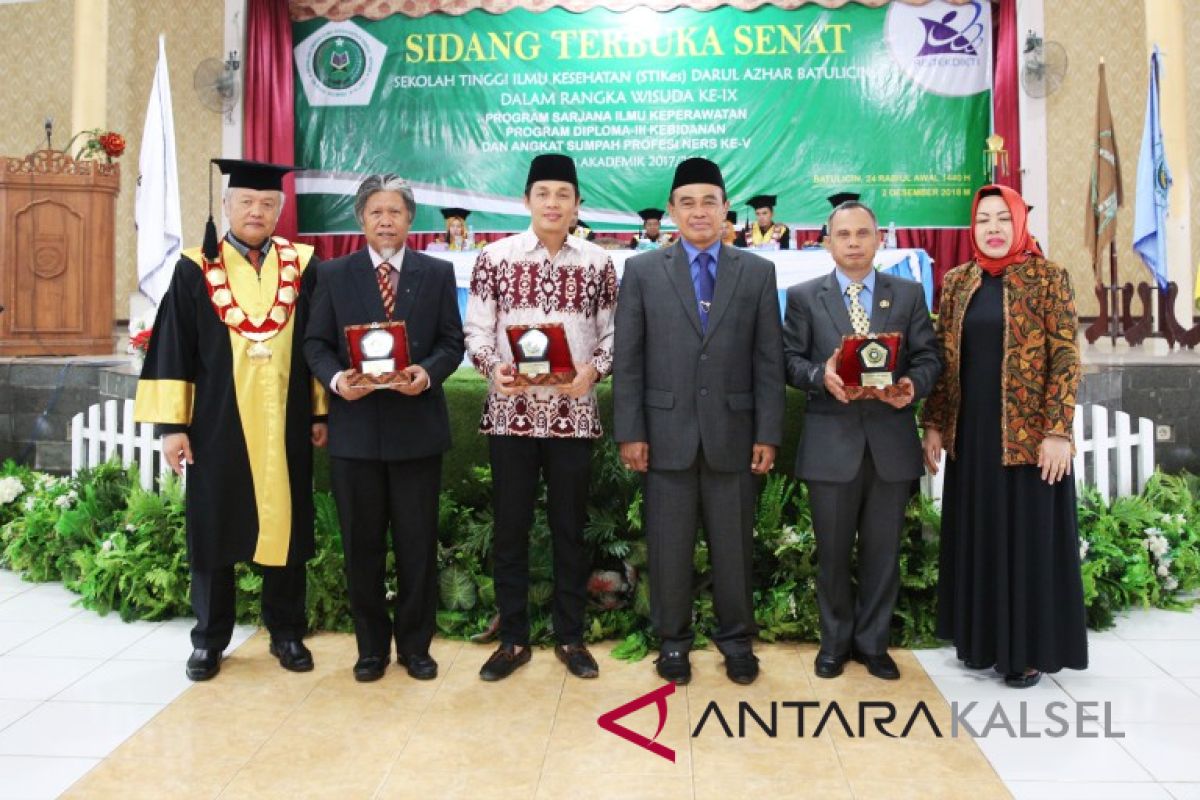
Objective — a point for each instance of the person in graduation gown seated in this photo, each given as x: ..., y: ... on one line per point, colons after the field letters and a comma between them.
x: 456, y: 229
x: 835, y: 200
x: 542, y: 433
x: 858, y: 457
x: 1010, y: 594
x: 730, y: 235
x: 764, y: 232
x: 652, y: 235
x: 386, y: 442
x: 698, y: 399
x: 226, y: 383
x: 578, y: 229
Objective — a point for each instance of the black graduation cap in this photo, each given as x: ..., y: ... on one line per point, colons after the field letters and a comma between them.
x: 461, y: 213
x: 762, y: 201
x: 257, y: 175
x: 697, y: 170
x: 552, y: 167
x: 648, y: 214
x: 731, y: 217
x: 836, y: 200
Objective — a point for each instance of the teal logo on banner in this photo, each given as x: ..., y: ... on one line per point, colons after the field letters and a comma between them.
x: 339, y: 65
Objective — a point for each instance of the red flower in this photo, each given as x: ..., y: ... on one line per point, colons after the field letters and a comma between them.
x: 113, y: 144
x: 140, y: 340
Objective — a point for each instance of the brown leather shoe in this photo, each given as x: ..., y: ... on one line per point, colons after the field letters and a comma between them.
x: 504, y: 662
x: 578, y: 660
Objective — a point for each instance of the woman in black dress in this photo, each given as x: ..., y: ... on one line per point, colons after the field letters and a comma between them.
x: 1009, y: 592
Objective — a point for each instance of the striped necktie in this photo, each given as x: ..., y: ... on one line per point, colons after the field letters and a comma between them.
x: 383, y: 272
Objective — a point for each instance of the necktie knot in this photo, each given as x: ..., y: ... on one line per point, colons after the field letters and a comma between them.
x: 855, y: 289
x: 384, y: 269
x: 255, y: 256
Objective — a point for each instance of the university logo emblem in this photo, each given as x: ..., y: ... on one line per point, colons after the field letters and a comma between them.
x: 339, y: 62
x: 339, y: 65
x: 945, y: 49
x: 950, y: 36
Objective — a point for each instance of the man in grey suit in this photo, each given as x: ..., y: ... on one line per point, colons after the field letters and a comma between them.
x: 859, y: 457
x: 698, y: 407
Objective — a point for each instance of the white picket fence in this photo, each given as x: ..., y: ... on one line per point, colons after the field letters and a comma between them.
x: 108, y: 431
x: 1105, y: 457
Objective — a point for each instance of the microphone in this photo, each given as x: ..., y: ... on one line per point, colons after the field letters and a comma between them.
x: 49, y: 131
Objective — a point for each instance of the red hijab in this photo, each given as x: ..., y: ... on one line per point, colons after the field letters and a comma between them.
x: 1023, y: 245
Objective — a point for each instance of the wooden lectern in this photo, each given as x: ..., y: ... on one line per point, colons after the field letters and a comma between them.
x: 57, y: 256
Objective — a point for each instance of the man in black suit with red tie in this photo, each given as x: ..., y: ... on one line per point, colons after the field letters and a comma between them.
x: 386, y: 444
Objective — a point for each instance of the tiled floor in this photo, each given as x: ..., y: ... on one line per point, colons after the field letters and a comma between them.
x: 96, y: 708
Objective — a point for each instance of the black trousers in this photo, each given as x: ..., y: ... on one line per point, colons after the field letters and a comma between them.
x: 565, y: 464
x: 372, y: 498
x: 676, y: 502
x: 214, y: 601
x: 870, y: 510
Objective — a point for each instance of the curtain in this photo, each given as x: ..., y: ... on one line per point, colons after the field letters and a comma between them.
x: 269, y: 108
x: 1006, y: 77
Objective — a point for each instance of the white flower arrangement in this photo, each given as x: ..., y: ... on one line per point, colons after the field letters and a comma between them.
x: 67, y: 500
x: 10, y: 489
x: 1084, y: 547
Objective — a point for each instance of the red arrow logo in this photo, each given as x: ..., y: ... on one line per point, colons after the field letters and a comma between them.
x: 608, y: 721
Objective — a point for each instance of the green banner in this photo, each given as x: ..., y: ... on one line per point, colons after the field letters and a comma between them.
x: 892, y: 102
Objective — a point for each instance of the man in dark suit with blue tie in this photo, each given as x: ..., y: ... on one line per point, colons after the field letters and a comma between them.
x: 858, y: 457
x: 698, y: 407
x: 386, y: 444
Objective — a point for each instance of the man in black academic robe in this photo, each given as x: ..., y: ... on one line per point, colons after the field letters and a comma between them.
x: 226, y: 382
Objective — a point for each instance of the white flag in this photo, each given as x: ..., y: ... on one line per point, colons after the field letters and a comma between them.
x: 156, y: 212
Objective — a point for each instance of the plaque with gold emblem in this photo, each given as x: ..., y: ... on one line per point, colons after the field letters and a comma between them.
x: 541, y: 354
x: 867, y: 364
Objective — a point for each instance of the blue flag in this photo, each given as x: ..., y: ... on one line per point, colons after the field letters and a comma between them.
x: 1153, y: 182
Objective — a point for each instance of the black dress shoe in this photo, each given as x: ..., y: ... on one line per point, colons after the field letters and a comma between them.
x: 292, y: 654
x: 828, y: 666
x: 1021, y: 680
x: 420, y: 666
x: 881, y: 666
x: 578, y: 660
x: 741, y: 668
x: 370, y: 668
x: 203, y: 663
x: 674, y: 667
x: 504, y: 662
x: 969, y: 664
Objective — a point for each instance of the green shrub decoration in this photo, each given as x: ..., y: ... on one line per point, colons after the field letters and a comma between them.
x: 122, y: 549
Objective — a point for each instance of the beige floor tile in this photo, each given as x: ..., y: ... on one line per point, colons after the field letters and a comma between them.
x: 480, y: 783
x: 913, y: 759
x: 794, y: 786
x: 121, y: 778
x: 866, y: 789
x: 615, y: 785
x: 341, y: 773
x: 579, y: 745
x: 202, y: 731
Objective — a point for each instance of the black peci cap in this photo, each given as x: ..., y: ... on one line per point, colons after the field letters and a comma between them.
x: 552, y: 167
x: 697, y: 170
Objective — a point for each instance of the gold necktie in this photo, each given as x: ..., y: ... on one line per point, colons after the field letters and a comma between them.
x: 858, y: 315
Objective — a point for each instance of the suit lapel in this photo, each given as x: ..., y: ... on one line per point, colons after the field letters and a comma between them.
x: 679, y: 272
x: 367, y: 285
x: 831, y: 296
x: 729, y: 272
x: 411, y: 273
x: 881, y: 304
